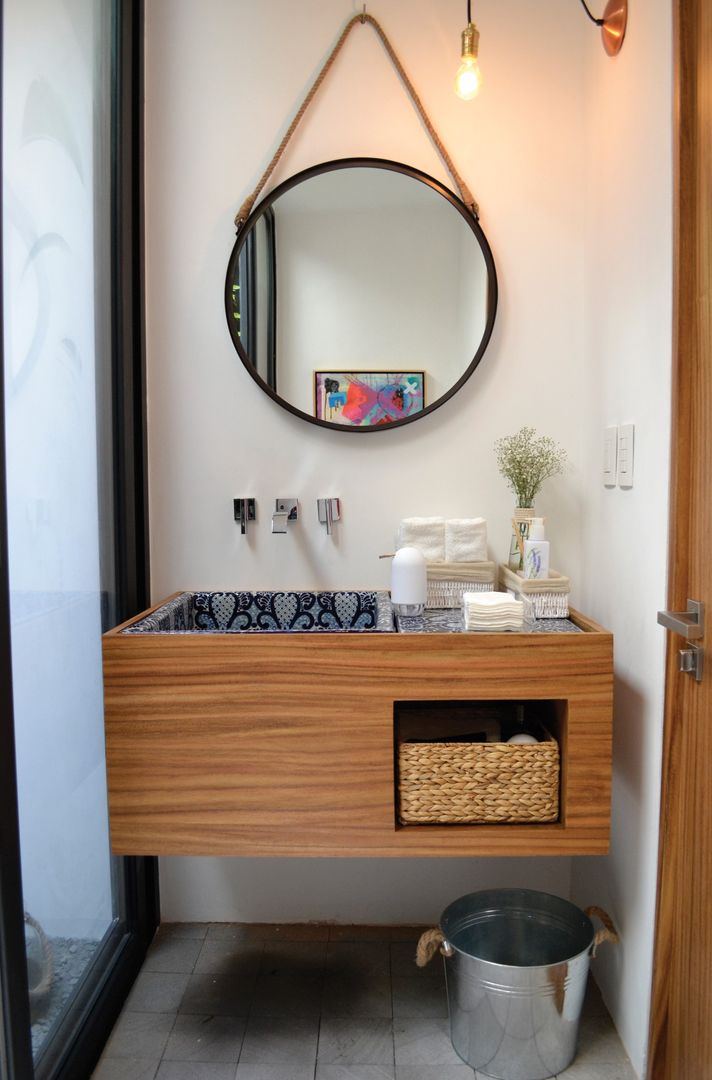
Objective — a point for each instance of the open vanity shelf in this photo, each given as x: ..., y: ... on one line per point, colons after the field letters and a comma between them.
x: 286, y: 743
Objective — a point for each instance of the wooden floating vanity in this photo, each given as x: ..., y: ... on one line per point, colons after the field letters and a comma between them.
x: 286, y: 743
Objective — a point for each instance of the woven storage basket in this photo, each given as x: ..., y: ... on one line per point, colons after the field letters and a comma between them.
x: 543, y: 598
x: 454, y: 783
x: 447, y: 581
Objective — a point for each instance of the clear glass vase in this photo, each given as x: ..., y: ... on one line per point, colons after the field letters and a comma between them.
x: 521, y: 520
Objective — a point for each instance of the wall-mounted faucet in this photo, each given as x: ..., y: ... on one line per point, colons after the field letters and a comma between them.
x: 285, y: 510
x: 329, y: 511
x: 244, y: 511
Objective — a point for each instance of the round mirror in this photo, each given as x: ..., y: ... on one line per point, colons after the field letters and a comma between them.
x: 361, y: 294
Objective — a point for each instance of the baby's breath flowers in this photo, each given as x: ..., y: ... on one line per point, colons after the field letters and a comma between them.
x: 526, y: 460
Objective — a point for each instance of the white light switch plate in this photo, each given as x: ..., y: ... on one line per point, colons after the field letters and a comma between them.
x: 610, y: 456
x: 626, y: 455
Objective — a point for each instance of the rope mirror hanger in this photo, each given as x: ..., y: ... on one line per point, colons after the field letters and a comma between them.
x: 359, y: 20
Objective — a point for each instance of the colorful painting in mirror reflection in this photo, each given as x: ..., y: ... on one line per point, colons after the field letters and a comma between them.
x: 367, y: 398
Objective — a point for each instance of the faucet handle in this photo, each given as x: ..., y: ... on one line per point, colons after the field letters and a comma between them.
x: 244, y: 511
x: 329, y: 511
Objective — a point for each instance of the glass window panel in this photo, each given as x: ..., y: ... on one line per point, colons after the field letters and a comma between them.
x: 56, y: 271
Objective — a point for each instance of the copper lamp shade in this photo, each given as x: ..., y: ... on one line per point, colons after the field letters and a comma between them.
x: 615, y: 19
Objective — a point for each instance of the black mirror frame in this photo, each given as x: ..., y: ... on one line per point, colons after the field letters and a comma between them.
x: 374, y: 163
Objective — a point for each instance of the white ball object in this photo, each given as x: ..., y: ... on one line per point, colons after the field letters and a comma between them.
x: 523, y: 739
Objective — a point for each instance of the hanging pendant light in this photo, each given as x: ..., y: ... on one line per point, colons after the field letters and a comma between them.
x: 468, y: 79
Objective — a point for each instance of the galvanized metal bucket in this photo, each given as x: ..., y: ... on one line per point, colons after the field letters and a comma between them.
x: 516, y: 963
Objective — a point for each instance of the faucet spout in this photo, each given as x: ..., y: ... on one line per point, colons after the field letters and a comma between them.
x: 279, y: 521
x: 285, y: 510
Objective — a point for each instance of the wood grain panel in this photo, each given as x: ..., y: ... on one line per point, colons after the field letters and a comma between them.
x: 279, y: 744
x: 681, y: 1035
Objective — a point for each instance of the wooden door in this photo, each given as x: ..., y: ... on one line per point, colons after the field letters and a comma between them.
x: 681, y: 1030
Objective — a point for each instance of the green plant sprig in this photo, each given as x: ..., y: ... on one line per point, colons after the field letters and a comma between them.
x: 526, y: 460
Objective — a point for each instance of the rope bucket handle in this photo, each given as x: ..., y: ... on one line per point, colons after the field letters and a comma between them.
x: 607, y: 932
x: 430, y: 942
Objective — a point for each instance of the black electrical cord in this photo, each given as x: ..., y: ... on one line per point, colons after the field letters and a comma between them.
x: 598, y: 22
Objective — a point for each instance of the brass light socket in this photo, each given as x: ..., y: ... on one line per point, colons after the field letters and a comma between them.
x: 470, y: 41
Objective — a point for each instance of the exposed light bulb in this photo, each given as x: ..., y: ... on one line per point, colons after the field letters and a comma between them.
x: 468, y: 79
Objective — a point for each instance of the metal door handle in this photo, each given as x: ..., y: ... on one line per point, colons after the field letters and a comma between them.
x: 690, y: 623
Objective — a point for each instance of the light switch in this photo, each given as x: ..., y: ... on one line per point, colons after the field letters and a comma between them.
x: 610, y: 456
x: 626, y: 454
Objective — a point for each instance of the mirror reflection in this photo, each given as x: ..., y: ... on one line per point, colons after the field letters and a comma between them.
x: 361, y: 294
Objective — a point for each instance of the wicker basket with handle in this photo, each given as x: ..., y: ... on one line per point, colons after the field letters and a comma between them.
x: 461, y: 782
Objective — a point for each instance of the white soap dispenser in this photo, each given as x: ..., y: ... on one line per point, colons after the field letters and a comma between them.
x: 536, y: 551
x: 409, y: 581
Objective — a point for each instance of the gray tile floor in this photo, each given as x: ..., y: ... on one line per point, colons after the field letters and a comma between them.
x: 228, y: 1001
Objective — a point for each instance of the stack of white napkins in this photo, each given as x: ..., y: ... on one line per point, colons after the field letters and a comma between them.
x: 492, y: 611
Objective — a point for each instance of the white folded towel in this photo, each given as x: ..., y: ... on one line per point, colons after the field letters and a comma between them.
x: 466, y: 540
x: 427, y: 534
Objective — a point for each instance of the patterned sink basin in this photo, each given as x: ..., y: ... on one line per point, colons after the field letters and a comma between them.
x: 269, y: 612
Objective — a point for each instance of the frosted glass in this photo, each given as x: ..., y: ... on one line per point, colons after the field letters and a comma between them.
x: 56, y: 203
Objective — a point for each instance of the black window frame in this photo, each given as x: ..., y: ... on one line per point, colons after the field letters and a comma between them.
x: 99, y: 1005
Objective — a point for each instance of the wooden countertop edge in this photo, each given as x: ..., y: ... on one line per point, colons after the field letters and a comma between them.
x: 563, y: 845
x: 142, y: 615
x: 588, y: 625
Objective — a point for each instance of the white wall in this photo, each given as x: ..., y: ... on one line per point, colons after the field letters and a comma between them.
x: 361, y: 891
x: 212, y: 124
x: 568, y: 155
x: 628, y: 332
